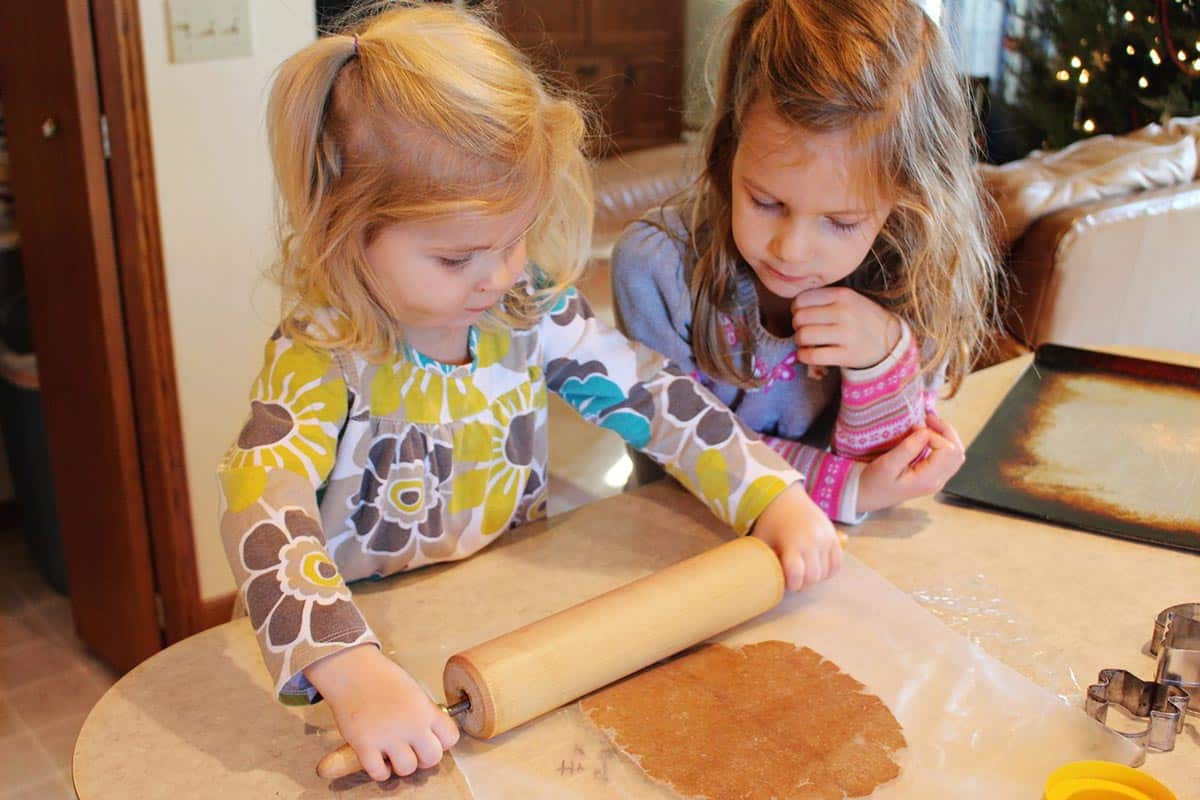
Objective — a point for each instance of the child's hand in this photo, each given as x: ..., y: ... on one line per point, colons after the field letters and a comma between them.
x: 919, y: 465
x: 838, y: 327
x: 803, y: 538
x: 382, y: 712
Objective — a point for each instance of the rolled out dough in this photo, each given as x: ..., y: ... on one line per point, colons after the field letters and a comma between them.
x: 768, y: 720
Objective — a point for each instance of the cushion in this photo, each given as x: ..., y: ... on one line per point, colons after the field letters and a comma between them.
x: 1089, y: 170
x: 629, y: 185
x: 1186, y: 126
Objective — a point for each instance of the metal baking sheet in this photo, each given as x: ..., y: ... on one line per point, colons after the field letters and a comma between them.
x: 1101, y: 442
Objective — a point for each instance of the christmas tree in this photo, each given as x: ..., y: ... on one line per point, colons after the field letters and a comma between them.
x: 1085, y: 67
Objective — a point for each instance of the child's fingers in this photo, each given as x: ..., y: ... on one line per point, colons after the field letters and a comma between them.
x: 817, y: 335
x: 794, y: 570
x: 815, y: 297
x: 833, y: 560
x: 938, y: 442
x: 446, y: 730
x: 816, y: 315
x: 943, y: 461
x: 428, y: 750
x: 953, y: 458
x: 900, y: 457
x: 944, y: 428
x: 372, y: 762
x: 827, y: 356
x: 814, y: 568
x: 946, y: 450
x: 404, y: 760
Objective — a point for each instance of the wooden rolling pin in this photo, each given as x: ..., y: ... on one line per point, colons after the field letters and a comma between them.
x: 521, y: 675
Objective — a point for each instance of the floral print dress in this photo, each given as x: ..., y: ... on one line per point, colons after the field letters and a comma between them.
x: 348, y: 469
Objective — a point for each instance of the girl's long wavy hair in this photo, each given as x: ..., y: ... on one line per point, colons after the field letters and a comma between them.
x: 881, y: 70
x: 415, y: 113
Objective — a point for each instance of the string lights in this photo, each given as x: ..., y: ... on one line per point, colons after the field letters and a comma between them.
x: 1101, y: 66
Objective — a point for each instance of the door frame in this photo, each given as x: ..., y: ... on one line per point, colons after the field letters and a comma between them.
x: 142, y: 274
x: 96, y: 283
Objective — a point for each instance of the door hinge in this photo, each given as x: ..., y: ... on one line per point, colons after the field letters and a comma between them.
x: 104, y: 136
x: 160, y: 611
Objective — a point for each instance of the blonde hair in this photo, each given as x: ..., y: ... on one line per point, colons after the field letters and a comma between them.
x: 417, y: 113
x: 881, y: 70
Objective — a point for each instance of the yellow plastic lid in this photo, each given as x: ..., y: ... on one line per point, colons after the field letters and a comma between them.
x: 1103, y: 780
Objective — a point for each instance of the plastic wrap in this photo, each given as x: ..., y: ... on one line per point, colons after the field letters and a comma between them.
x: 975, y: 727
x: 973, y: 608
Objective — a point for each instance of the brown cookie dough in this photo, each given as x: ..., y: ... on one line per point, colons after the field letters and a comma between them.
x: 764, y: 721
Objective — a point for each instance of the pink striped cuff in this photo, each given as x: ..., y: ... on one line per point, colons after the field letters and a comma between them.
x: 828, y: 481
x: 860, y: 390
x: 831, y: 480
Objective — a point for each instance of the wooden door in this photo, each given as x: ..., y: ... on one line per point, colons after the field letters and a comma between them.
x: 598, y: 80
x: 625, y: 56
x: 532, y: 22
x: 49, y: 87
x: 648, y: 103
x: 634, y: 22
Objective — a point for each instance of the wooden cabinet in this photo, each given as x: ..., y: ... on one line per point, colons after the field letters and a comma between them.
x: 625, y: 55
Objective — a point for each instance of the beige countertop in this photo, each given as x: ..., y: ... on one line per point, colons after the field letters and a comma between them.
x: 199, y: 719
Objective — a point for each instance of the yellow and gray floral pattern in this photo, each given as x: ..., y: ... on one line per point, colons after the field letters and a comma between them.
x: 348, y: 469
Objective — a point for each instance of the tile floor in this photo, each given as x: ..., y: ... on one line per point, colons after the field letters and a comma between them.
x: 48, y: 681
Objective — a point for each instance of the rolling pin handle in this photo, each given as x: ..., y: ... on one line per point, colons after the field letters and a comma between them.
x: 461, y: 707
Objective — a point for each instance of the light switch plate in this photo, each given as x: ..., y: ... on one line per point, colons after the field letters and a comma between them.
x: 205, y: 30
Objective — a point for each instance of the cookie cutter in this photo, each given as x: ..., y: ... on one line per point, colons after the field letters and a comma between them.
x: 1164, y: 705
x: 1176, y: 642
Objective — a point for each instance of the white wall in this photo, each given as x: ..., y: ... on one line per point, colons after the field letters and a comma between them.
x: 215, y: 204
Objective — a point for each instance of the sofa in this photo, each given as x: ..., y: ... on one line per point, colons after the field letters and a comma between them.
x: 1101, y: 240
x: 1121, y: 270
x: 628, y: 185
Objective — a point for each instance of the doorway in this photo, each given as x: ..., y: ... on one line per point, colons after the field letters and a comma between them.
x: 82, y: 179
